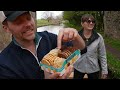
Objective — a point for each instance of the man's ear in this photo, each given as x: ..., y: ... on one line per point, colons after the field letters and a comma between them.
x: 6, y: 29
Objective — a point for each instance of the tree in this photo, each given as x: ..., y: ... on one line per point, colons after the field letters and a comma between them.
x: 48, y: 15
x: 74, y: 18
x: 59, y: 18
x: 5, y: 38
x: 112, y: 24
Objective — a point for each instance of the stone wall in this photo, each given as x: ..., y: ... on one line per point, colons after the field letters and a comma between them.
x: 5, y: 38
x: 112, y: 24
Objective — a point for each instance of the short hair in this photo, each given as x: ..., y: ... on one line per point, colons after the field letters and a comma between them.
x: 85, y: 17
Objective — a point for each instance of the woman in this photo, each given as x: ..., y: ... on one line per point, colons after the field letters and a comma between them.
x: 94, y: 59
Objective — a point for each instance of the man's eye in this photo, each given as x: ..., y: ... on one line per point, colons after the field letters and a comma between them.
x: 18, y: 22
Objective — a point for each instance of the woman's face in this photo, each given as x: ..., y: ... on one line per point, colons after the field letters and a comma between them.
x: 88, y: 24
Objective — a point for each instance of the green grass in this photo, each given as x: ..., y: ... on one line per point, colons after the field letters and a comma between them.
x: 42, y: 23
x: 67, y: 24
x: 113, y: 62
x: 115, y: 43
x: 113, y: 65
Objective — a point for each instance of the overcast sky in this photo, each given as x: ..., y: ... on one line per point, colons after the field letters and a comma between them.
x: 40, y: 13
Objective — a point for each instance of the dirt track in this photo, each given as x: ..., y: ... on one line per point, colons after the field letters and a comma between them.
x: 114, y: 51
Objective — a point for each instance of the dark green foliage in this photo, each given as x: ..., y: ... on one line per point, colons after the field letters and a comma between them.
x: 114, y: 66
x: 74, y: 18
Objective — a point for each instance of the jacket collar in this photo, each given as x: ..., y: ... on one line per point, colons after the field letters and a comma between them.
x: 93, y: 37
x: 36, y: 40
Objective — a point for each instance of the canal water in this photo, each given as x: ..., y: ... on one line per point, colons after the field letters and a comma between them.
x: 51, y: 28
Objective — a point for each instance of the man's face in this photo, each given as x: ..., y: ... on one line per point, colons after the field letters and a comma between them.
x: 23, y: 28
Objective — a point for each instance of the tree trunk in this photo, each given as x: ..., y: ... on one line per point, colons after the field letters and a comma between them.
x: 5, y: 38
x: 112, y: 24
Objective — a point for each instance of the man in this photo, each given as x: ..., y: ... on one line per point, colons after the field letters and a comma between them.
x: 20, y: 59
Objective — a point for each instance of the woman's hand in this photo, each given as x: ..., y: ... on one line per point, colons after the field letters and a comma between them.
x: 104, y: 76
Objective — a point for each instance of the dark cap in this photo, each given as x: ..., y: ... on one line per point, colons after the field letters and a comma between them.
x: 12, y: 15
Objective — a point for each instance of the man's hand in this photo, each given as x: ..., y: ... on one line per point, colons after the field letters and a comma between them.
x: 57, y: 74
x: 69, y: 70
x: 70, y: 34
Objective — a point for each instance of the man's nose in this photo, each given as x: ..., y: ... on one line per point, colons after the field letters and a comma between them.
x: 28, y: 25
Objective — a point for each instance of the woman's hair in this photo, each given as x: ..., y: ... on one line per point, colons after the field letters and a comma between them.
x: 86, y: 17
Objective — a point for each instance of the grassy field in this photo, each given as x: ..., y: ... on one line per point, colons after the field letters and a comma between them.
x: 114, y: 66
x: 42, y: 23
x: 115, y: 43
x: 113, y: 62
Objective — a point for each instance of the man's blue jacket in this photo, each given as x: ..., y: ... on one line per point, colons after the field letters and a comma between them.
x: 19, y: 63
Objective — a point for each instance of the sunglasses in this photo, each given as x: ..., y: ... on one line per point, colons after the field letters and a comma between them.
x: 89, y: 21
